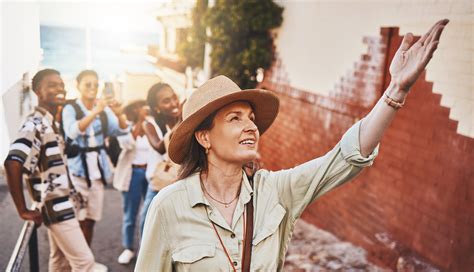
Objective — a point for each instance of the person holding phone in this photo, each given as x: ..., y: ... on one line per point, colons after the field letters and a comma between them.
x: 87, y: 121
x: 130, y: 174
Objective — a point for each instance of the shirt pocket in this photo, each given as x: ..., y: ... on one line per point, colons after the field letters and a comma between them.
x: 193, y: 257
x: 271, y: 225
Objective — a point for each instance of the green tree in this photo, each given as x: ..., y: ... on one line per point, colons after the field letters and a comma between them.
x: 192, y: 49
x: 241, y: 39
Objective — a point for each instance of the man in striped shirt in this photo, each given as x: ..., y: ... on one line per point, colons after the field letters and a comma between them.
x: 37, y: 154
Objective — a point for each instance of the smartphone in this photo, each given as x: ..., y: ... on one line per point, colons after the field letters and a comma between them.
x: 108, y: 92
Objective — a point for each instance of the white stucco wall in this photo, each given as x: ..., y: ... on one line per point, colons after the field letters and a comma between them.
x: 319, y: 41
x: 20, y: 53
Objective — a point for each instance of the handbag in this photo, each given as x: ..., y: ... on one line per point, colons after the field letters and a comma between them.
x: 166, y: 173
x: 57, y: 210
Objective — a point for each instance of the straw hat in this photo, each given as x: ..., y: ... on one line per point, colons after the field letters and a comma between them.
x: 211, y: 96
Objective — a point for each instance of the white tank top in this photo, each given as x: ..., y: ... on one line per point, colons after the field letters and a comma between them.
x: 142, y: 150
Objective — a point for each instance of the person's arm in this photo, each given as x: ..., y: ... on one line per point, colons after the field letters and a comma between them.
x: 299, y: 186
x: 116, y: 120
x: 85, y: 122
x: 73, y: 127
x: 13, y: 170
x: 23, y: 157
x: 116, y: 108
x: 155, y: 253
x: 126, y: 142
x: 153, y: 138
x: 407, y: 65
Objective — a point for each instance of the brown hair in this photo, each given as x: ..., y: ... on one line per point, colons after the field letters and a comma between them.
x: 196, y: 160
x: 131, y: 109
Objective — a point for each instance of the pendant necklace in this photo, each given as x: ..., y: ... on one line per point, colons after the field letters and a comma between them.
x: 226, y: 204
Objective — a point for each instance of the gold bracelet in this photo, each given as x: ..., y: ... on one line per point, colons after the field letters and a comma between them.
x: 393, y: 103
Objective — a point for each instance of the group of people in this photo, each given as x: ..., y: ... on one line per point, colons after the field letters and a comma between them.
x: 62, y: 150
x: 222, y: 214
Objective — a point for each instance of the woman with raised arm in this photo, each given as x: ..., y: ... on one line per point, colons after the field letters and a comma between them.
x: 165, y: 113
x: 129, y: 176
x: 216, y: 217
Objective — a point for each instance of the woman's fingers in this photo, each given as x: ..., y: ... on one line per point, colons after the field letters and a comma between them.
x: 427, y: 34
x: 407, y: 40
x: 432, y: 44
x: 429, y: 53
x: 435, y: 34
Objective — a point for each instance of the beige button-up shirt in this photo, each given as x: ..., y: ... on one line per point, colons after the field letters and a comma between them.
x: 178, y: 234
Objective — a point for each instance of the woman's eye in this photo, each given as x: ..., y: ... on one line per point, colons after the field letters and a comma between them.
x: 235, y: 118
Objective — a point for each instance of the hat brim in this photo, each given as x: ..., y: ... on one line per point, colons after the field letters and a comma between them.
x: 265, y: 107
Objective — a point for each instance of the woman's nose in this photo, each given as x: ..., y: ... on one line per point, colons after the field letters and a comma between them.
x: 250, y: 125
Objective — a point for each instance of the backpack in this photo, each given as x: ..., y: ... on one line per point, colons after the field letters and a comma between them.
x: 72, y: 150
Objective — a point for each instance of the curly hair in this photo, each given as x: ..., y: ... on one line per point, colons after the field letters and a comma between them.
x: 131, y: 109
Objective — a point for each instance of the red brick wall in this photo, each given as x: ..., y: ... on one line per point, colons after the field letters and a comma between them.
x: 417, y: 199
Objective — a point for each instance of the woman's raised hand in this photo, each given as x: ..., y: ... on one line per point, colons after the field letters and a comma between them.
x: 411, y: 59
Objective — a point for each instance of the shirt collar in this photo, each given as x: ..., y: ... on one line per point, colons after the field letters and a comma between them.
x: 46, y: 114
x: 196, y: 195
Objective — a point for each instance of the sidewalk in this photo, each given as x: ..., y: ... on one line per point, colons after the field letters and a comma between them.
x: 106, y: 243
x: 313, y: 249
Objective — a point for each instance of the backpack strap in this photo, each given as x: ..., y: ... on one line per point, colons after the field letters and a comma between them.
x: 104, y: 122
x: 78, y: 110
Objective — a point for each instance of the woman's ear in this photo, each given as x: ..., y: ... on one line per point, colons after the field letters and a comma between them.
x: 202, y: 136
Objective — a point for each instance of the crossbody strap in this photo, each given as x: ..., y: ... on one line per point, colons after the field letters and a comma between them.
x: 248, y: 233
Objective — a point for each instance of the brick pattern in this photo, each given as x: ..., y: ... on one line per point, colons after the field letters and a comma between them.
x: 417, y: 199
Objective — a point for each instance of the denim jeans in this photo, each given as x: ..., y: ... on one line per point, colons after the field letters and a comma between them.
x: 131, y: 204
x: 150, y: 194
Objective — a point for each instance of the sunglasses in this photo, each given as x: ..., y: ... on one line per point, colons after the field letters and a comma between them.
x: 90, y: 85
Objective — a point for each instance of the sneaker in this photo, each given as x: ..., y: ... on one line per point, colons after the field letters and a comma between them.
x: 98, y: 267
x: 126, y: 256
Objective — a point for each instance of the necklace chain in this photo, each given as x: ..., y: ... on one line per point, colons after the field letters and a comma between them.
x: 226, y: 204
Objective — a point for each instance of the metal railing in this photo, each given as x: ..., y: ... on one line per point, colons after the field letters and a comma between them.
x: 28, y: 239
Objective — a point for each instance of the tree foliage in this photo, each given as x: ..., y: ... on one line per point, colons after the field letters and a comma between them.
x: 192, y: 49
x: 241, y: 40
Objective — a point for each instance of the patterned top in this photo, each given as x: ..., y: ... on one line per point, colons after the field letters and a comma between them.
x: 39, y: 148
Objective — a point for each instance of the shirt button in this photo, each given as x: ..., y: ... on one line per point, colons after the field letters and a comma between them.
x: 235, y: 263
x: 232, y: 236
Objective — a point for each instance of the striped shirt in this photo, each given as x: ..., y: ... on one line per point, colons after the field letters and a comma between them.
x: 39, y: 148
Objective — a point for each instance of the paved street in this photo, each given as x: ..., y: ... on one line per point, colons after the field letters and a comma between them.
x: 106, y: 244
x: 311, y: 249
